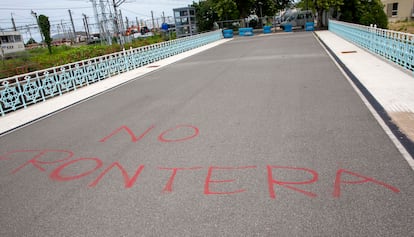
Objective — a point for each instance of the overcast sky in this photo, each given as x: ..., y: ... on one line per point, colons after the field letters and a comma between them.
x: 57, y: 11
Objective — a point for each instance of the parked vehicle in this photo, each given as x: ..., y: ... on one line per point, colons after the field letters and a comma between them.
x: 298, y: 19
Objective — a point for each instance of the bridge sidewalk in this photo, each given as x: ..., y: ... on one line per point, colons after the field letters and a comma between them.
x: 388, y: 87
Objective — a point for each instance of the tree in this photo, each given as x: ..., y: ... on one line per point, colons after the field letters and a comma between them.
x: 45, y: 29
x: 322, y: 6
x: 306, y: 5
x: 265, y: 7
x: 283, y: 4
x: 209, y: 11
x: 31, y: 41
x: 364, y: 12
x: 226, y: 9
x: 206, y: 16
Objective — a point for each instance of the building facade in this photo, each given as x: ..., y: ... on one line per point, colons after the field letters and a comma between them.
x: 185, y: 21
x: 399, y: 10
x: 11, y: 42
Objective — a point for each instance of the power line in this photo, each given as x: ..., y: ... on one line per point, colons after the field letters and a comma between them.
x: 43, y: 9
x: 137, y: 13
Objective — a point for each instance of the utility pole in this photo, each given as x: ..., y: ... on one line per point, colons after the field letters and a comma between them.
x: 153, y: 22
x: 122, y: 22
x: 28, y: 30
x: 163, y: 17
x: 34, y: 14
x: 122, y: 33
x: 73, y: 26
x: 116, y: 4
x: 14, y: 24
x: 116, y: 23
x: 64, y: 30
x: 105, y: 23
x: 100, y: 27
x: 86, y: 25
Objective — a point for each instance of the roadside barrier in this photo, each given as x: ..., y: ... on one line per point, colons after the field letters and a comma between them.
x: 288, y: 28
x: 397, y: 47
x: 309, y: 26
x: 23, y: 90
x: 246, y: 31
x: 267, y: 29
x: 228, y: 33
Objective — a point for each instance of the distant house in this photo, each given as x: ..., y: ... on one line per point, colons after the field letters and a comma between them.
x: 185, y: 21
x: 399, y: 10
x: 11, y: 42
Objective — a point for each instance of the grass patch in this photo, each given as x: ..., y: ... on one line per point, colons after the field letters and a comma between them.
x: 402, y: 26
x: 39, y: 58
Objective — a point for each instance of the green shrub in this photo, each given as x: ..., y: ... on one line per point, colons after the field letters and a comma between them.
x: 39, y: 58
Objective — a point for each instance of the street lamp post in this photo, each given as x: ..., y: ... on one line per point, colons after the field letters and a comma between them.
x: 261, y: 14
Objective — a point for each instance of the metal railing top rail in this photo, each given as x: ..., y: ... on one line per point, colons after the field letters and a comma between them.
x: 369, y: 27
x: 85, y: 61
x: 397, y: 47
x: 23, y: 90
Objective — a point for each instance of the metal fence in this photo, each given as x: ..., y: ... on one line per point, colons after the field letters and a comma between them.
x: 23, y: 90
x: 395, y: 46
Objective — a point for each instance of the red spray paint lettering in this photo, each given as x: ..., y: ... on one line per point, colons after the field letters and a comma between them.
x: 209, y: 180
x: 288, y: 184
x: 36, y: 162
x: 169, y: 185
x: 163, y: 137
x: 364, y: 179
x: 65, y: 159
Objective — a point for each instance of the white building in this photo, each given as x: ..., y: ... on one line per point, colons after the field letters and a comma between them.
x: 11, y: 42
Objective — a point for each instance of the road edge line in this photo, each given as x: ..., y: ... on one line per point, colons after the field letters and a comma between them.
x: 403, y: 145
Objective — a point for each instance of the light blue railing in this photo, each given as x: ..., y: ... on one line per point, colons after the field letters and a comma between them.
x: 23, y: 90
x: 395, y: 46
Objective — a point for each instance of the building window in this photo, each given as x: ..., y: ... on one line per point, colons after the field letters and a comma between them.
x: 4, y: 39
x: 395, y: 9
x: 17, y: 38
x: 392, y: 9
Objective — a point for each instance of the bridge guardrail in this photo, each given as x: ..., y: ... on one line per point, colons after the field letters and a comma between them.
x: 397, y: 47
x: 23, y: 90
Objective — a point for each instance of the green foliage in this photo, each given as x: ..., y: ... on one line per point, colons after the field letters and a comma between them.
x: 226, y: 9
x: 245, y: 7
x: 209, y: 11
x: 364, y: 13
x: 327, y: 4
x: 283, y: 4
x: 45, y: 28
x: 267, y: 7
x: 40, y: 58
x: 206, y: 16
x: 31, y: 41
x: 306, y: 4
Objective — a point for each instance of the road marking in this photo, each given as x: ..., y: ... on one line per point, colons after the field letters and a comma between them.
x: 381, y: 122
x: 24, y: 117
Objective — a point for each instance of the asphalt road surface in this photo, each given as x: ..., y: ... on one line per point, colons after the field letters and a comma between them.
x: 260, y: 136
